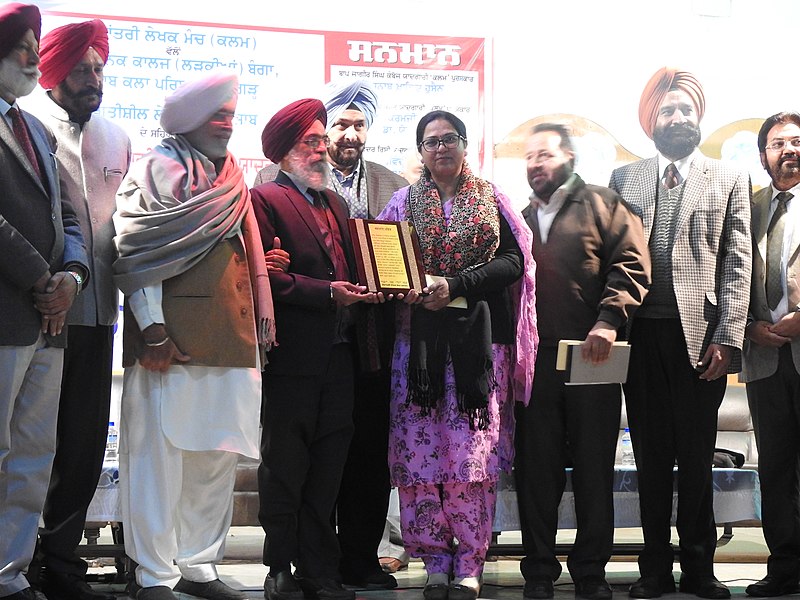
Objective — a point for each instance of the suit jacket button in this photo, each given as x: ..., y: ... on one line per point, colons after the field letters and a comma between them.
x: 243, y: 311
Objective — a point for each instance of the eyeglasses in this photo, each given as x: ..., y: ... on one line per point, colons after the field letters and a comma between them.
x: 449, y: 141
x: 780, y: 144
x: 315, y: 140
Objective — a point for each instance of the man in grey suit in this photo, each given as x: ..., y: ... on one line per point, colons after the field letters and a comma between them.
x: 771, y: 354
x: 688, y: 332
x: 94, y: 155
x: 44, y: 265
x: 364, y: 492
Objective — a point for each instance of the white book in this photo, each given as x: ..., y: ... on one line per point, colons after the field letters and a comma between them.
x: 583, y: 372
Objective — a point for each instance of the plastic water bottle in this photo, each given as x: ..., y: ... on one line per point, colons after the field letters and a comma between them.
x: 112, y: 443
x: 627, y: 448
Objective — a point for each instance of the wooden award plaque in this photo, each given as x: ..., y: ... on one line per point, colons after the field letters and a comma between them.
x: 387, y: 256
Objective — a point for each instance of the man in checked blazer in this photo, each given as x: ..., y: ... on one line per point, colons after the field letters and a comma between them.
x: 771, y: 354
x: 43, y: 265
x: 688, y: 333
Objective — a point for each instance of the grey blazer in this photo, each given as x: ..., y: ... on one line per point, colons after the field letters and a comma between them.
x: 38, y: 232
x: 711, y: 256
x: 762, y: 361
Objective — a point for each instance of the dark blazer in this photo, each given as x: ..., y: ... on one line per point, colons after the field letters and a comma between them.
x: 305, y: 317
x: 38, y: 232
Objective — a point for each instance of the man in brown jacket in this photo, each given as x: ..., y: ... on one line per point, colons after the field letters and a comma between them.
x: 593, y: 270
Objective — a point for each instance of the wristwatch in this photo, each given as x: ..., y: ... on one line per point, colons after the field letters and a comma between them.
x: 78, y: 279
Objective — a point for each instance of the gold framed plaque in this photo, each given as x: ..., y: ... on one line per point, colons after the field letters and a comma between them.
x: 387, y: 255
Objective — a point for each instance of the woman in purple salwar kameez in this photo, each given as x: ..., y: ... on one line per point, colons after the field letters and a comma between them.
x: 457, y: 371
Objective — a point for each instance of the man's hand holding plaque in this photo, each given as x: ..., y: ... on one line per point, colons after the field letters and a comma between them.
x: 387, y: 255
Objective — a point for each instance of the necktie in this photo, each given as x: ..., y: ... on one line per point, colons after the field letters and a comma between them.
x: 671, y: 176
x: 318, y: 202
x: 775, y: 250
x: 24, y: 139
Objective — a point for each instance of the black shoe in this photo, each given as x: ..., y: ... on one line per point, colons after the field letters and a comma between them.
x: 213, y: 590
x: 26, y: 594
x: 652, y: 587
x: 282, y: 586
x: 323, y: 588
x: 592, y: 587
x: 773, y: 586
x: 64, y: 586
x: 457, y: 591
x: 538, y: 588
x: 704, y: 587
x: 376, y: 580
x: 157, y: 592
x: 435, y: 591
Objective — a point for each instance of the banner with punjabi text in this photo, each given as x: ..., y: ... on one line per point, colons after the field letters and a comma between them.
x: 150, y: 59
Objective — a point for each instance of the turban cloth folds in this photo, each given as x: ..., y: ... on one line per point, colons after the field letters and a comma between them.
x: 195, y: 102
x: 661, y: 83
x: 358, y: 94
x: 64, y: 47
x: 288, y: 125
x: 15, y: 20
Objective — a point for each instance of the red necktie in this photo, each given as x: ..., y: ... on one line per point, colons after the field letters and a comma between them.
x: 24, y: 139
x: 671, y: 176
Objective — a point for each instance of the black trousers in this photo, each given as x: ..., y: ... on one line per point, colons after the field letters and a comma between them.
x: 307, y: 426
x: 364, y: 493
x: 80, y: 446
x: 775, y: 407
x: 672, y: 415
x: 562, y: 426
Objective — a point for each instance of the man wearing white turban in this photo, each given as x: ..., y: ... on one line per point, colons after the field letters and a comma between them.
x: 198, y: 316
x: 364, y: 492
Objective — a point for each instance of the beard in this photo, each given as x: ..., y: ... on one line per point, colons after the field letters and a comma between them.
x: 785, y: 170
x: 545, y: 189
x: 677, y: 141
x: 345, y: 156
x: 81, y: 103
x: 311, y: 175
x: 18, y: 81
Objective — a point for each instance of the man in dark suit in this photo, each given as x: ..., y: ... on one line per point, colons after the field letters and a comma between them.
x: 592, y: 272
x: 308, y: 383
x: 94, y: 155
x: 44, y: 265
x: 771, y: 354
x: 688, y: 332
x: 364, y: 492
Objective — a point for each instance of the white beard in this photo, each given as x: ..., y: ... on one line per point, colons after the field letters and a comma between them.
x: 16, y: 81
x: 314, y: 176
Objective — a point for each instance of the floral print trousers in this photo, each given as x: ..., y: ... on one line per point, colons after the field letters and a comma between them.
x: 449, y: 525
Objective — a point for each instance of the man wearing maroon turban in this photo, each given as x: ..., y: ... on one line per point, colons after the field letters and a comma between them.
x: 43, y: 264
x: 308, y: 383
x: 688, y: 333
x: 363, y: 499
x: 94, y: 155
